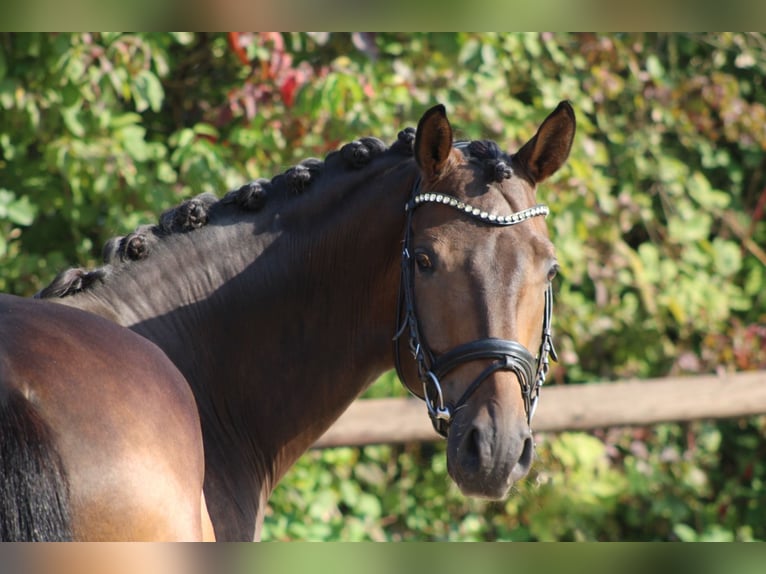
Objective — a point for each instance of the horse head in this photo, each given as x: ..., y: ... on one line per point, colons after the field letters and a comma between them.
x: 476, y: 301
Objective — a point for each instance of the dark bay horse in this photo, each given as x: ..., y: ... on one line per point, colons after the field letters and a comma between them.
x: 278, y: 303
x: 99, y: 433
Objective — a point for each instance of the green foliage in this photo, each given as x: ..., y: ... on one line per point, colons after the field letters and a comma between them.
x: 657, y: 219
x: 699, y: 482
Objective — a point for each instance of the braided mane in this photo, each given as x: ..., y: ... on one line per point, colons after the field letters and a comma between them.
x: 253, y: 196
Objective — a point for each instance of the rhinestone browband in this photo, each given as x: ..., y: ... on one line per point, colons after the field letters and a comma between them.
x: 477, y: 213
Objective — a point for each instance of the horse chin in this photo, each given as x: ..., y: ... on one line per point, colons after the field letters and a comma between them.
x: 487, y: 487
x: 485, y: 491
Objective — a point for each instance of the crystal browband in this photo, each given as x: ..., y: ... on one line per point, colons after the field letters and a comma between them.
x: 477, y: 213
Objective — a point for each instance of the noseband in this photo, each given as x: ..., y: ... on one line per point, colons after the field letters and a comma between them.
x: 506, y: 355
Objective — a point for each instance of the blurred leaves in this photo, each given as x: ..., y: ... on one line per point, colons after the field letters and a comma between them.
x: 20, y: 211
x: 658, y: 219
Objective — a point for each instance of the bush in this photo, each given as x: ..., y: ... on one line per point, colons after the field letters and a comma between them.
x: 657, y: 220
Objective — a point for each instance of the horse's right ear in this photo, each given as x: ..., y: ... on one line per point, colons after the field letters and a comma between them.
x: 547, y: 151
x: 433, y: 142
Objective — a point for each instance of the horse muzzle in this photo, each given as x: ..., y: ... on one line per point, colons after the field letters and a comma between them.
x: 489, y: 448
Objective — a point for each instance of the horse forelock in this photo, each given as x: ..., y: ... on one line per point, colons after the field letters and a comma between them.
x: 495, y: 162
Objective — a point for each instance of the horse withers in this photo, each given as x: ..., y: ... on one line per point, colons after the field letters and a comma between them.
x: 99, y: 432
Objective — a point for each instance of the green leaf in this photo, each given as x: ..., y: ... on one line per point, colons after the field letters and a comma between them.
x: 206, y: 130
x: 71, y: 117
x: 182, y: 138
x: 166, y: 173
x: 7, y: 146
x: 755, y: 282
x: 133, y: 140
x: 20, y: 211
x: 147, y: 91
x: 654, y: 66
x: 183, y: 38
x: 121, y: 120
x: 695, y: 227
x: 368, y: 506
x: 649, y: 256
x: 727, y: 257
x: 703, y: 193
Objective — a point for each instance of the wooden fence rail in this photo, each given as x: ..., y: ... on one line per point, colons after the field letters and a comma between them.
x: 574, y: 407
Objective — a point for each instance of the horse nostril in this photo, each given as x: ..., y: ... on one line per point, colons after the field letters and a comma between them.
x: 527, y: 453
x: 471, y: 455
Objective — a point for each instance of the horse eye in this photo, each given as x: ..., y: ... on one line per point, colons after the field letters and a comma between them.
x: 423, y: 261
x: 553, y: 271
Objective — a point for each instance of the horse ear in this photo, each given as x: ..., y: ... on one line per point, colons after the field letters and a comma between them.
x: 433, y: 141
x: 547, y: 151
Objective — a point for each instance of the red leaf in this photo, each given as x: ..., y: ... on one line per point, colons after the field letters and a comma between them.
x: 287, y: 89
x: 237, y: 48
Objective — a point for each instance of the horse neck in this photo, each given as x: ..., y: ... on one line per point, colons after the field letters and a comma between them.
x: 277, y: 339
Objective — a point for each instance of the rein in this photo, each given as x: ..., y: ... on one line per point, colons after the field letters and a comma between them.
x: 506, y: 355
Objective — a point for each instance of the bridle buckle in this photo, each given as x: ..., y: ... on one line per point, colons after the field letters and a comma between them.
x: 436, y: 408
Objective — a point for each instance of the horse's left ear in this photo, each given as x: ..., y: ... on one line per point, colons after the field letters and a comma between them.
x: 547, y: 151
x: 433, y: 142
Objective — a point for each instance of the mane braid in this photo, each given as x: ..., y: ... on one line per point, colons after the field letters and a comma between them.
x: 199, y: 211
x: 72, y: 281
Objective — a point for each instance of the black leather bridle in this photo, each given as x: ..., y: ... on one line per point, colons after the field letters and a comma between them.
x: 506, y: 355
